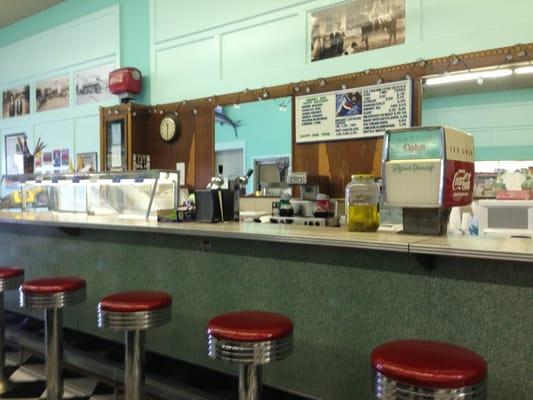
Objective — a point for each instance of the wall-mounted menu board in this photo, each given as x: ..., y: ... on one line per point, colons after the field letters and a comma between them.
x: 353, y: 113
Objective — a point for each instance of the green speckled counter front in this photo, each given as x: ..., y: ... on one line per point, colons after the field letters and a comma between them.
x: 343, y: 301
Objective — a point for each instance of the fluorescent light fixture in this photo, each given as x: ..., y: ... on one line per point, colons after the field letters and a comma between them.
x: 524, y: 70
x: 468, y: 76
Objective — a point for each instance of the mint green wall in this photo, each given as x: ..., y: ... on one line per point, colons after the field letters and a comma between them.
x: 69, y: 37
x: 211, y: 47
x: 265, y: 130
x: 134, y: 29
x: 500, y: 121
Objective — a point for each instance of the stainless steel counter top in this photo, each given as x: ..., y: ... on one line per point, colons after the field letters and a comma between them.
x: 513, y: 249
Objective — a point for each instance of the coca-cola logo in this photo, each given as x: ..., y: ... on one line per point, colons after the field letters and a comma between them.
x: 462, y: 180
x: 116, y: 78
x: 414, y: 147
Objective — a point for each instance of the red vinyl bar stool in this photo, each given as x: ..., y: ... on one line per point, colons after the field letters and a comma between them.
x: 52, y: 294
x: 250, y: 339
x: 134, y: 312
x: 10, y: 279
x: 426, y: 370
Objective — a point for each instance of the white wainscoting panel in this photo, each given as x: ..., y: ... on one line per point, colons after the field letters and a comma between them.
x: 179, y: 65
x: 273, y: 44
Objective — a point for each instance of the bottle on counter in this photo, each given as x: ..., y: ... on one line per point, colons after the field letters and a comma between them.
x: 285, y: 206
x: 322, y: 208
x: 362, y: 198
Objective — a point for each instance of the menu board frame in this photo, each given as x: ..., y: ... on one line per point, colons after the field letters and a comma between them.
x: 346, y: 114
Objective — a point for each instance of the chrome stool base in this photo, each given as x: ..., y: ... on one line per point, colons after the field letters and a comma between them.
x: 53, y: 304
x: 134, y: 361
x: 53, y: 321
x: 135, y: 324
x: 250, y: 381
x: 389, y: 389
x: 5, y: 285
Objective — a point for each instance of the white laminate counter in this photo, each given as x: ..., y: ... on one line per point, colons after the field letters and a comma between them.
x: 497, y: 248
x: 488, y: 247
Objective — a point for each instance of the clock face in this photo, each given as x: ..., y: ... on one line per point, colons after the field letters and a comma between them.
x: 168, y: 128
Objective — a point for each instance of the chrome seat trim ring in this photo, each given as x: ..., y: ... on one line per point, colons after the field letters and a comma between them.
x: 133, y: 320
x: 257, y: 353
x: 11, y: 283
x: 389, y: 389
x: 52, y: 300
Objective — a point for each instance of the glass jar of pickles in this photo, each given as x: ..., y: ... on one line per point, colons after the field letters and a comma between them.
x: 362, y: 198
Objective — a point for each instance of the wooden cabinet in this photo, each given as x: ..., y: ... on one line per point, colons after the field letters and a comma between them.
x: 122, y: 134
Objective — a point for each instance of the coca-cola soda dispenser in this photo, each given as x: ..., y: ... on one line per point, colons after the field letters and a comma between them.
x: 427, y: 171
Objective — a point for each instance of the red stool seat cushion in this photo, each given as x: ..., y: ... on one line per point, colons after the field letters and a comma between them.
x: 429, y: 364
x: 10, y: 272
x: 250, y: 326
x: 53, y: 285
x: 134, y: 301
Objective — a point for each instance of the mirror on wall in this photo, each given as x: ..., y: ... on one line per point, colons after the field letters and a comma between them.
x: 494, y: 105
x: 256, y: 135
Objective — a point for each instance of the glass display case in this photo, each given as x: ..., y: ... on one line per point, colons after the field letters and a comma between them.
x: 129, y: 194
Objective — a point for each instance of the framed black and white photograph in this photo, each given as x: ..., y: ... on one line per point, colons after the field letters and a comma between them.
x: 52, y: 93
x: 14, y: 153
x: 92, y: 85
x: 16, y: 102
x: 86, y: 162
x: 357, y: 26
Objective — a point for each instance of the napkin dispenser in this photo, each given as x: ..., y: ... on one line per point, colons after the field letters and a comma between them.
x: 214, y: 205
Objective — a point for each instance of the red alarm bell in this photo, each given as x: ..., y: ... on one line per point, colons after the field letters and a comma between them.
x: 125, y: 83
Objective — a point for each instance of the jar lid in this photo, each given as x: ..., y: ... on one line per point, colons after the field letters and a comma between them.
x: 322, y: 196
x: 362, y: 176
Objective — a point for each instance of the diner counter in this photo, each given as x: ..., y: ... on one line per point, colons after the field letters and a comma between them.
x: 485, y: 247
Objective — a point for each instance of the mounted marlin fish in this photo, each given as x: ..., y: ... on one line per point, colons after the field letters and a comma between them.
x: 223, y: 119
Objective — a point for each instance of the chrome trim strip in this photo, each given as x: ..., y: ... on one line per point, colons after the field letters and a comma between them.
x: 389, y: 389
x: 384, y: 159
x: 257, y: 353
x: 133, y: 320
x: 52, y: 300
x: 282, y: 235
x: 11, y: 283
x: 442, y: 167
x: 422, y: 248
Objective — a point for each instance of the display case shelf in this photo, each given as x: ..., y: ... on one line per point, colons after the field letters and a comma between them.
x: 128, y: 194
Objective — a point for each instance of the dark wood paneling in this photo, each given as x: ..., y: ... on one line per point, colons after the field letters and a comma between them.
x: 194, y: 145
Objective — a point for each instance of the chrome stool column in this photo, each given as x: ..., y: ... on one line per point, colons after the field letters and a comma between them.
x: 250, y: 339
x: 10, y: 279
x: 134, y: 312
x: 52, y: 294
x: 426, y: 370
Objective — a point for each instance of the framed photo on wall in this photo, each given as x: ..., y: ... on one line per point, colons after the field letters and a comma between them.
x: 92, y: 84
x: 356, y: 26
x: 16, y: 102
x: 86, y: 162
x: 52, y: 93
x: 14, y: 154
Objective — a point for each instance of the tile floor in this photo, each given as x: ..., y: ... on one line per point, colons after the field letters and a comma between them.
x: 27, y: 373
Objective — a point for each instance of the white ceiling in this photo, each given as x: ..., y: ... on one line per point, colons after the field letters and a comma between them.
x: 14, y: 10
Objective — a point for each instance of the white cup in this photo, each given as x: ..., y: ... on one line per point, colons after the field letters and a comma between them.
x: 466, y: 220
